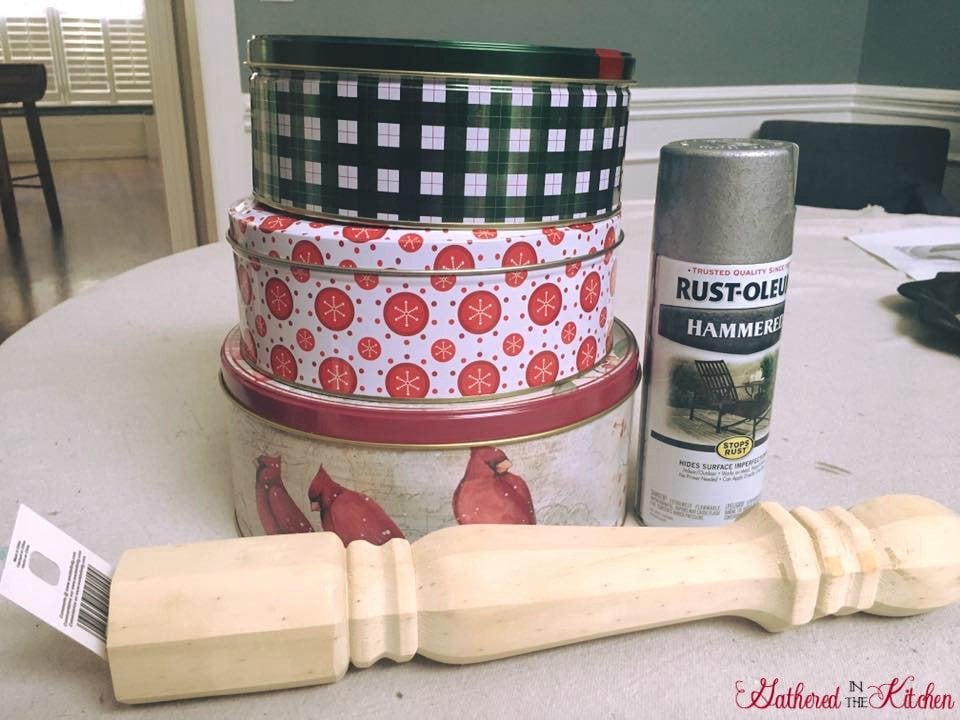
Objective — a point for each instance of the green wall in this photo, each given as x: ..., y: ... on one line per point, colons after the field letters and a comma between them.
x: 676, y: 42
x: 914, y: 44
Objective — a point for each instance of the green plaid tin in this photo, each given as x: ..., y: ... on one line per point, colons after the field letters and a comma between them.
x: 411, y: 147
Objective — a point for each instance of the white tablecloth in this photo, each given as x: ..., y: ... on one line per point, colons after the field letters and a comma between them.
x: 113, y: 426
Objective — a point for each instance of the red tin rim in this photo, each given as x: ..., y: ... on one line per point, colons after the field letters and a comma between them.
x: 393, y: 424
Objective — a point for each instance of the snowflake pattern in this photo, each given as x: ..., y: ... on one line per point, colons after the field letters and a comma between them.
x: 479, y: 378
x: 590, y: 291
x: 408, y: 381
x: 410, y: 242
x: 244, y: 284
x: 337, y: 375
x: 545, y: 302
x: 405, y: 314
x: 334, y: 308
x: 363, y: 234
x: 543, y: 369
x: 513, y: 344
x: 369, y: 348
x: 305, y: 339
x: 554, y: 235
x: 279, y: 299
x: 438, y: 336
x: 443, y: 350
x: 282, y: 363
x: 587, y: 353
x: 519, y: 254
x: 479, y: 312
x: 455, y: 259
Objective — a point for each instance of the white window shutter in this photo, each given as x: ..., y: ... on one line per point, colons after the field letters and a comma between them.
x: 85, y: 57
x: 127, y: 50
x: 89, y: 60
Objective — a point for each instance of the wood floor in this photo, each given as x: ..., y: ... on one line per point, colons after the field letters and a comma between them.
x: 113, y: 220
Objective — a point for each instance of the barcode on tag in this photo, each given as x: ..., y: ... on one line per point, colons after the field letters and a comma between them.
x: 52, y: 576
x: 94, y: 603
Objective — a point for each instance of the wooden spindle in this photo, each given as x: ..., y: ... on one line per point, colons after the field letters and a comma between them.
x: 261, y: 613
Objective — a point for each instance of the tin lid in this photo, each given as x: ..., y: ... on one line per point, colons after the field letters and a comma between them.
x: 261, y: 232
x: 725, y: 201
x: 540, y: 411
x: 447, y: 58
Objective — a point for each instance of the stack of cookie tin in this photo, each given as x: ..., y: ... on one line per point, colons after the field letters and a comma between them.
x: 425, y: 276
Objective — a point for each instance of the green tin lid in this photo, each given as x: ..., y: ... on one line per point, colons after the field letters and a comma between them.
x: 432, y: 57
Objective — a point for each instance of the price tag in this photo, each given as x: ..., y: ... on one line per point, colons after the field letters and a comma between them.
x: 55, y: 578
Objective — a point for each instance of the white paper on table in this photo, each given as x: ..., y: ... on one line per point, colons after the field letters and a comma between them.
x: 919, y: 252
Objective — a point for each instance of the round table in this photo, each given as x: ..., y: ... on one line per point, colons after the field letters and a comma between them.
x: 114, y: 423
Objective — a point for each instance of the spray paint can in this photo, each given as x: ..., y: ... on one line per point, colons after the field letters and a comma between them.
x: 722, y: 240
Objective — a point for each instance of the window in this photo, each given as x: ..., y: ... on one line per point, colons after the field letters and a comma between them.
x: 311, y: 172
x: 95, y: 51
x: 516, y: 185
x: 388, y: 90
x: 586, y: 139
x: 347, y: 176
x: 519, y: 139
x: 552, y: 183
x: 478, y: 94
x: 478, y: 139
x: 431, y: 137
x: 347, y: 87
x: 605, y: 178
x: 556, y: 139
x: 311, y: 126
x: 347, y: 132
x: 388, y: 180
x: 434, y: 92
x: 431, y: 183
x: 475, y: 184
x: 388, y: 134
x: 583, y: 181
x: 607, y: 138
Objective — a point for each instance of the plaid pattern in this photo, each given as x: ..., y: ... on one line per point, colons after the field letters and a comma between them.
x: 452, y: 150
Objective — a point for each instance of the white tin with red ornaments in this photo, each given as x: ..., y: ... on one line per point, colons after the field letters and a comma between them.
x: 430, y: 314
x: 375, y: 469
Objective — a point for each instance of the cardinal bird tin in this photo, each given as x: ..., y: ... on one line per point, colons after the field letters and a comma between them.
x: 375, y: 470
x: 415, y: 132
x: 431, y: 314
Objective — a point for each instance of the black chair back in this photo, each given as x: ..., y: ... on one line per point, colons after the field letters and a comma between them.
x: 852, y: 165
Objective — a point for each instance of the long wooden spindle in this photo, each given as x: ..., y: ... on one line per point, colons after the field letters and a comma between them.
x: 261, y: 613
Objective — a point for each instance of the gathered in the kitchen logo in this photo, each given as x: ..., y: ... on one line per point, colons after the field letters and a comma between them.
x: 898, y: 693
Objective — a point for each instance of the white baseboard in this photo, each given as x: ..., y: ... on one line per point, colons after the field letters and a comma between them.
x: 661, y: 115
x: 83, y: 137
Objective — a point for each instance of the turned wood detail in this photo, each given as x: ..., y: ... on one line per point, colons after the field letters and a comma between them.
x: 260, y: 613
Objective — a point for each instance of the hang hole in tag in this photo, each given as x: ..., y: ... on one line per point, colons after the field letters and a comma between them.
x: 44, y: 568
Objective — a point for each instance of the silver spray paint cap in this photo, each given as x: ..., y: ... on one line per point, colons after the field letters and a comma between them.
x: 725, y: 201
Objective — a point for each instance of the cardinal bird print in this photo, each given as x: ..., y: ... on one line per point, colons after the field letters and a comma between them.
x: 279, y: 514
x: 349, y: 514
x: 489, y: 494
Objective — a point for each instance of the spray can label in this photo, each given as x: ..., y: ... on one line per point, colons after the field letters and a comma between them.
x: 712, y: 357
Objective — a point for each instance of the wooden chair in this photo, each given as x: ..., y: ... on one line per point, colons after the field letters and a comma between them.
x: 26, y: 83
x: 852, y: 165
x: 725, y: 398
